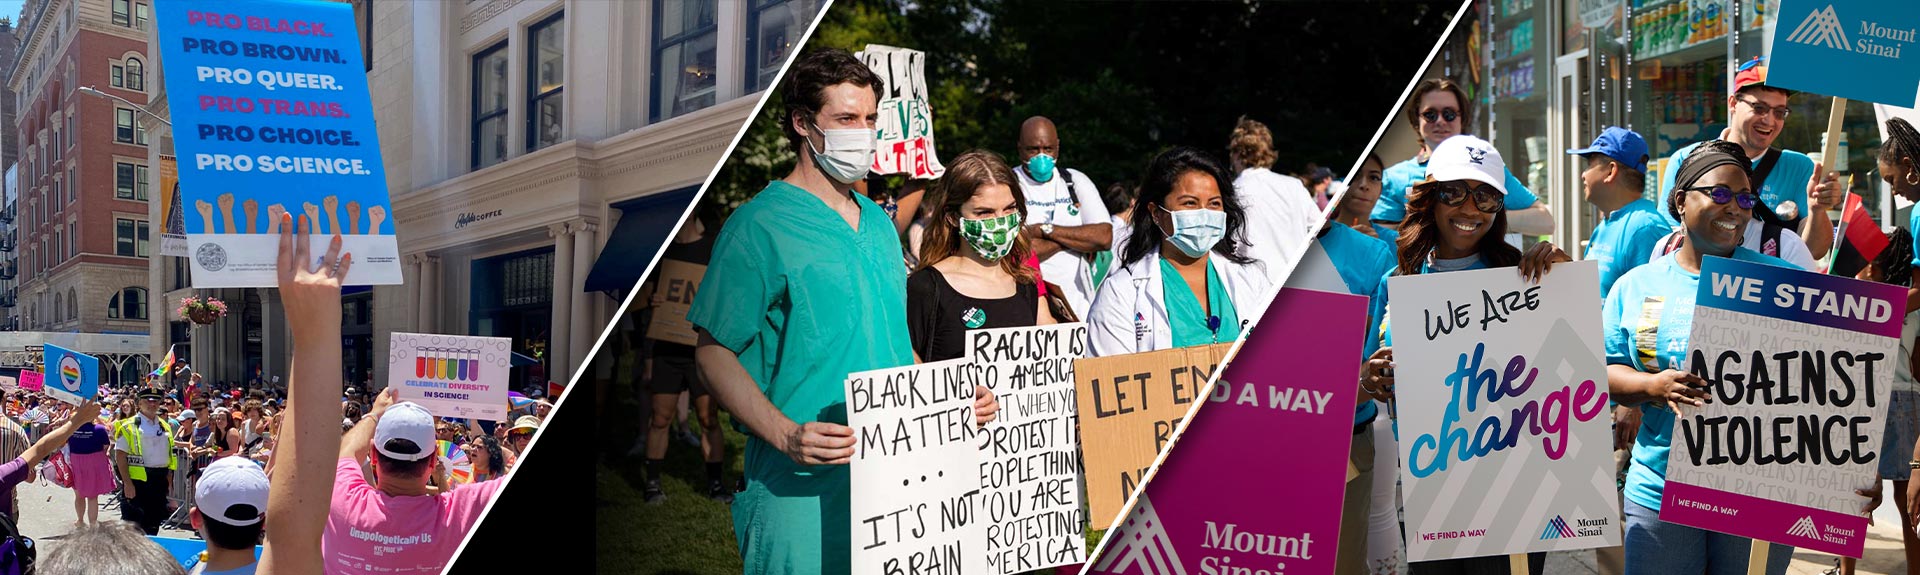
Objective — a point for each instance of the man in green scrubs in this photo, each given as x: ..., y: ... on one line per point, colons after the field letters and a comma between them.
x: 805, y: 286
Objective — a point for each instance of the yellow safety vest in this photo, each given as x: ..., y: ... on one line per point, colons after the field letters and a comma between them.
x: 129, y: 429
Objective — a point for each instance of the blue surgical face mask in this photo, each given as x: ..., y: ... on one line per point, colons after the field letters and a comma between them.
x: 1196, y: 231
x: 1040, y: 166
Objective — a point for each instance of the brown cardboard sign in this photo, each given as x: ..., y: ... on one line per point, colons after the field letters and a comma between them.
x: 1130, y: 407
x: 676, y: 281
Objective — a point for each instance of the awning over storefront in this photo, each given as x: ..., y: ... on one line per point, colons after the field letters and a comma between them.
x: 645, y: 224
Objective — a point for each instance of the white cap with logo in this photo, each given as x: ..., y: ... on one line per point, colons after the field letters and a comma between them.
x: 233, y: 491
x: 405, y: 420
x: 1465, y: 157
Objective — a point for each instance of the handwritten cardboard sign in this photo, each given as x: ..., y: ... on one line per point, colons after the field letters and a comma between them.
x: 1502, y: 396
x: 915, y: 470
x: 451, y: 375
x: 1802, y: 366
x: 905, y: 130
x: 1130, y: 406
x: 1256, y: 478
x: 32, y: 380
x: 677, y: 282
x: 271, y: 115
x: 1029, y: 455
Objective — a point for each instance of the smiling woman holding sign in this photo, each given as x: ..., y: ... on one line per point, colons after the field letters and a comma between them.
x: 1455, y: 222
x: 1187, y: 228
x: 1649, y: 318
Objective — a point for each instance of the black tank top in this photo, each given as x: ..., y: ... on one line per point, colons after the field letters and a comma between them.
x: 938, y: 316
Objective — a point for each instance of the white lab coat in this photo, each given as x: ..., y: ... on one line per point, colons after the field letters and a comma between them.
x: 1129, y: 316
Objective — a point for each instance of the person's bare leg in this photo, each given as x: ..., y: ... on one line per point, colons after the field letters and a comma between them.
x: 715, y: 444
x: 79, y: 511
x: 1909, y: 539
x: 93, y: 510
x: 665, y: 408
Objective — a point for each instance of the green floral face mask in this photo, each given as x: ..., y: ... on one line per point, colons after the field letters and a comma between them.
x: 992, y: 238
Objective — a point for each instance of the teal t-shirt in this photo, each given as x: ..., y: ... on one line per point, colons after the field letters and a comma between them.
x: 1398, y: 179
x: 1648, y: 318
x: 1913, y: 229
x: 1625, y: 240
x: 804, y: 300
x: 1787, y: 182
x: 1361, y: 261
x: 1190, y: 323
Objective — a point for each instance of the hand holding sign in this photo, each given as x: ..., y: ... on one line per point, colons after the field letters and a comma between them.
x: 1677, y: 388
x: 1538, y: 259
x: 818, y: 443
x: 985, y: 405
x: 1823, y: 189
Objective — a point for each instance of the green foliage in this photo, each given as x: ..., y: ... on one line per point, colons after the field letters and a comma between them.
x: 1124, y: 81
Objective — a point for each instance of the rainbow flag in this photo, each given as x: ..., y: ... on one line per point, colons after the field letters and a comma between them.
x: 166, y: 364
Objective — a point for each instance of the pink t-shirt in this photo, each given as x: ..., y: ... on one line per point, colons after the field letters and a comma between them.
x: 369, y: 532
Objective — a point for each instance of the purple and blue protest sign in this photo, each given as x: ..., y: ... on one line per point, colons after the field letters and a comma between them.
x: 1257, y: 478
x: 1503, y: 419
x: 271, y: 115
x: 1801, y: 366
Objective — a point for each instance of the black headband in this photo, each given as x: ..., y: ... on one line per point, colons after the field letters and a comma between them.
x: 1708, y: 156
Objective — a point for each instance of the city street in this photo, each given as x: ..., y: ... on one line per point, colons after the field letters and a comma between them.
x: 46, y: 514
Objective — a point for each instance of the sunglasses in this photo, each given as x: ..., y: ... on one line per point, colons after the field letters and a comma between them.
x: 1485, y: 197
x: 1722, y: 194
x: 1779, y: 113
x: 1435, y: 115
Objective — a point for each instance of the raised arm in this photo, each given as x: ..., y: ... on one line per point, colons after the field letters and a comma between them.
x: 88, y: 412
x: 302, y: 483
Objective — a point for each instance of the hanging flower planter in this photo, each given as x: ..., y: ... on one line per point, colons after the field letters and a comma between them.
x: 201, y: 310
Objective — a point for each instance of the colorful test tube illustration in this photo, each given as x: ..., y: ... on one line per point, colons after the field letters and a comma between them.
x: 226, y: 212
x: 353, y: 218
x: 206, y: 216
x: 252, y: 208
x: 274, y: 213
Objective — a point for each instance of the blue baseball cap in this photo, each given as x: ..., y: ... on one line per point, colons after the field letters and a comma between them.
x: 1621, y: 144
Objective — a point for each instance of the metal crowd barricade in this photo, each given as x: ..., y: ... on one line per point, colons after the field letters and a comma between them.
x: 182, y: 491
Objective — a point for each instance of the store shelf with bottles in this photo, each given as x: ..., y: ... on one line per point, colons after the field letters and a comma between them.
x: 1685, y: 27
x: 1507, y: 11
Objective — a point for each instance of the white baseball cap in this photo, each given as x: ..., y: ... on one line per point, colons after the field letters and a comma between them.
x: 405, y: 420
x: 1465, y: 157
x: 233, y: 491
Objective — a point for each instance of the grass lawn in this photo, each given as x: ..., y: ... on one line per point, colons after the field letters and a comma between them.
x: 687, y: 533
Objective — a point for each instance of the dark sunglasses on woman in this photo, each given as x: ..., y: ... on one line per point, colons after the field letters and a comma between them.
x: 1485, y: 197
x: 1722, y: 194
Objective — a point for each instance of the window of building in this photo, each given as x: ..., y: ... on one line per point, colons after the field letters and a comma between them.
x: 140, y: 16
x: 117, y: 76
x: 75, y: 181
x: 773, y: 26
x: 123, y: 180
x: 490, y: 106
x: 73, y: 239
x: 685, y: 52
x: 57, y: 246
x: 73, y: 304
x: 58, y: 301
x: 122, y: 12
x: 69, y: 131
x: 123, y: 125
x: 546, y: 79
x: 129, y: 237
x: 136, y: 75
x: 129, y: 303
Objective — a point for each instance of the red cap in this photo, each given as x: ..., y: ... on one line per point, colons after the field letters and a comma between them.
x: 1752, y: 73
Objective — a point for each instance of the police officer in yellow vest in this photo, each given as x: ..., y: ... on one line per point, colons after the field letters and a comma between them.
x: 143, y: 453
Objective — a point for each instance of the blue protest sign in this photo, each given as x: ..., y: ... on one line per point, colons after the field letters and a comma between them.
x: 1854, y: 49
x: 271, y: 115
x: 72, y: 376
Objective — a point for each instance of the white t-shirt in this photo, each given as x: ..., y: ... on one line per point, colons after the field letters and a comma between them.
x: 1792, y: 248
x: 1050, y: 203
x: 154, y: 444
x: 1280, y: 216
x: 1121, y: 229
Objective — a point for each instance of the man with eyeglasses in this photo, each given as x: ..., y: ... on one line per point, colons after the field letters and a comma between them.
x: 1438, y: 109
x: 1794, y: 192
x: 143, y: 454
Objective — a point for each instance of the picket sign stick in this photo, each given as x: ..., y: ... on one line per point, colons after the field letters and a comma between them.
x: 1832, y: 147
x: 1517, y: 564
x: 1757, y: 558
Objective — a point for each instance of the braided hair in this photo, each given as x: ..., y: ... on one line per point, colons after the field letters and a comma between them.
x: 1895, y: 261
x: 1902, y: 142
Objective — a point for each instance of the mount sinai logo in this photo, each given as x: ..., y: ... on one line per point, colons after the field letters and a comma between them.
x: 1804, y: 528
x: 1821, y: 28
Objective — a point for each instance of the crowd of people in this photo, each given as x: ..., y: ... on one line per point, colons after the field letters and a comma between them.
x: 247, y: 471
x: 1737, y: 197
x: 824, y: 273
